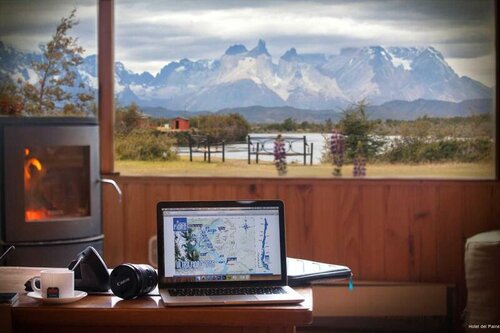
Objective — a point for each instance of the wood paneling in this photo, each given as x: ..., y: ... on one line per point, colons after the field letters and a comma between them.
x: 450, y: 240
x: 372, y: 232
x: 135, y: 222
x: 113, y: 226
x: 384, y: 230
x: 398, y: 250
x: 423, y: 233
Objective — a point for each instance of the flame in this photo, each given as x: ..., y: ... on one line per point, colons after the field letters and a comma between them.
x: 31, y: 162
x: 32, y: 166
x: 35, y: 214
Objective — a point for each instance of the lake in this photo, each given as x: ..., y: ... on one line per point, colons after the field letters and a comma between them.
x: 239, y: 151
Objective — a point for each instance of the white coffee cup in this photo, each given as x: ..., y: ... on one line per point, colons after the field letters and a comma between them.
x: 55, y: 283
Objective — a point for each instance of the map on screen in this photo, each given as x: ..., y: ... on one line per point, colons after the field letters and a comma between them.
x: 221, y: 245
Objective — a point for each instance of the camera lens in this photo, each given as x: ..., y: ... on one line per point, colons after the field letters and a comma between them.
x: 131, y: 281
x: 149, y: 278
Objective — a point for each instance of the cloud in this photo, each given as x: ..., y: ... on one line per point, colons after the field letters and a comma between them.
x: 314, y: 19
x: 26, y: 24
x: 478, y: 68
x: 172, y: 30
x: 150, y: 33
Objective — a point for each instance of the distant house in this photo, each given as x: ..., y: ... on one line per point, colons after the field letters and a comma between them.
x: 164, y: 128
x: 179, y: 123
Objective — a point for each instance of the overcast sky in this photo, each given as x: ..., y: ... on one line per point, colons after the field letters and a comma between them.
x: 150, y: 34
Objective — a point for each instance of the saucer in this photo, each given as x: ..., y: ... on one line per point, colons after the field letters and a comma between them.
x: 77, y: 295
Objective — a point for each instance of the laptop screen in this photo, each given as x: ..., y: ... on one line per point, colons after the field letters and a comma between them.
x: 221, y: 242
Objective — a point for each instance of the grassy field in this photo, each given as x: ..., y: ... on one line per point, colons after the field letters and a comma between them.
x: 240, y: 168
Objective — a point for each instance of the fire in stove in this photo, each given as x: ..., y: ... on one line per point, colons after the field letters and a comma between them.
x: 56, y: 183
x: 32, y: 165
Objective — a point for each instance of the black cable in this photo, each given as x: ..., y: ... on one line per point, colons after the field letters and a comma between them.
x: 6, y: 253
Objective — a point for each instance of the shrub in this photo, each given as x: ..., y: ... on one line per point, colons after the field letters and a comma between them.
x: 144, y: 145
x: 229, y: 128
x: 359, y: 132
x: 127, y: 118
x: 415, y: 150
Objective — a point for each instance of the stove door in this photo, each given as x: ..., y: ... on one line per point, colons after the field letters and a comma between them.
x: 51, y: 183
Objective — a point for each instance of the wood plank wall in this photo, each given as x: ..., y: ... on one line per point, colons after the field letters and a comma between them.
x: 384, y: 230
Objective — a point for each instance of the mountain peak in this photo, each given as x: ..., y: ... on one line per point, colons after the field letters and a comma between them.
x: 236, y: 49
x: 185, y: 61
x: 119, y: 66
x: 434, y: 52
x: 291, y: 55
x: 259, y: 49
x: 379, y: 51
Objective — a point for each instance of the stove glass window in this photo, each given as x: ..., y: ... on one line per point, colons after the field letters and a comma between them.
x: 56, y: 183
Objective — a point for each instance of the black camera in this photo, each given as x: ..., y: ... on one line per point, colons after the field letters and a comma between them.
x: 91, y: 273
x: 131, y: 281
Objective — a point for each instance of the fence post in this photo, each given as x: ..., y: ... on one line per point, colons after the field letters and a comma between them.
x: 190, y: 148
x: 248, y: 143
x: 257, y: 154
x: 312, y: 150
x: 223, y: 151
x: 208, y: 144
x: 305, y: 152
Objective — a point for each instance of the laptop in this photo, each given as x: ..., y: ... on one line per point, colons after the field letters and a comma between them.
x: 222, y: 252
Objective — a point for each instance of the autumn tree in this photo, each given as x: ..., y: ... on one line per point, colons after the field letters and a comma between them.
x: 222, y: 127
x: 56, y: 89
x: 11, y: 100
x: 127, y: 118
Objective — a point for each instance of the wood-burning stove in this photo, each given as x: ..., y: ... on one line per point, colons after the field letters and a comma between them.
x: 50, y: 192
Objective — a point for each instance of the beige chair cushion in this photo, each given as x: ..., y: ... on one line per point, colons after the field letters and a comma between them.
x: 482, y: 276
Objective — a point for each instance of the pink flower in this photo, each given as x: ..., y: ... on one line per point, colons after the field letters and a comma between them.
x: 280, y: 155
x: 337, y: 145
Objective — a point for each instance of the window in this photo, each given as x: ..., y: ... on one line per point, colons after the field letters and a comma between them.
x: 305, y: 89
x: 407, y: 88
x: 48, y: 62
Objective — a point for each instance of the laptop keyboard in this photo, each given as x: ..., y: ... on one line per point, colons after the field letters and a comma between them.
x: 226, y: 291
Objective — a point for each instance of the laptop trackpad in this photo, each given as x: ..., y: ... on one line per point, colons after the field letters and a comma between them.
x: 233, y: 298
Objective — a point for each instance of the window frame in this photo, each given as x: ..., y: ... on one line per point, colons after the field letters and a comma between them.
x: 105, y: 54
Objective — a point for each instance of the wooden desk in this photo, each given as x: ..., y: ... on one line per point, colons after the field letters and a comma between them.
x: 99, y: 313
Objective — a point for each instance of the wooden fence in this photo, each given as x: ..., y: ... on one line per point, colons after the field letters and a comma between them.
x: 294, y: 146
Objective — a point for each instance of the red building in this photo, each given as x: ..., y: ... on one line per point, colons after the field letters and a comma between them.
x: 179, y: 123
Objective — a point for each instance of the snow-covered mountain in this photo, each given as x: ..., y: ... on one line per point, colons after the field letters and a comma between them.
x: 242, y: 78
x: 383, y: 74
x: 16, y: 64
